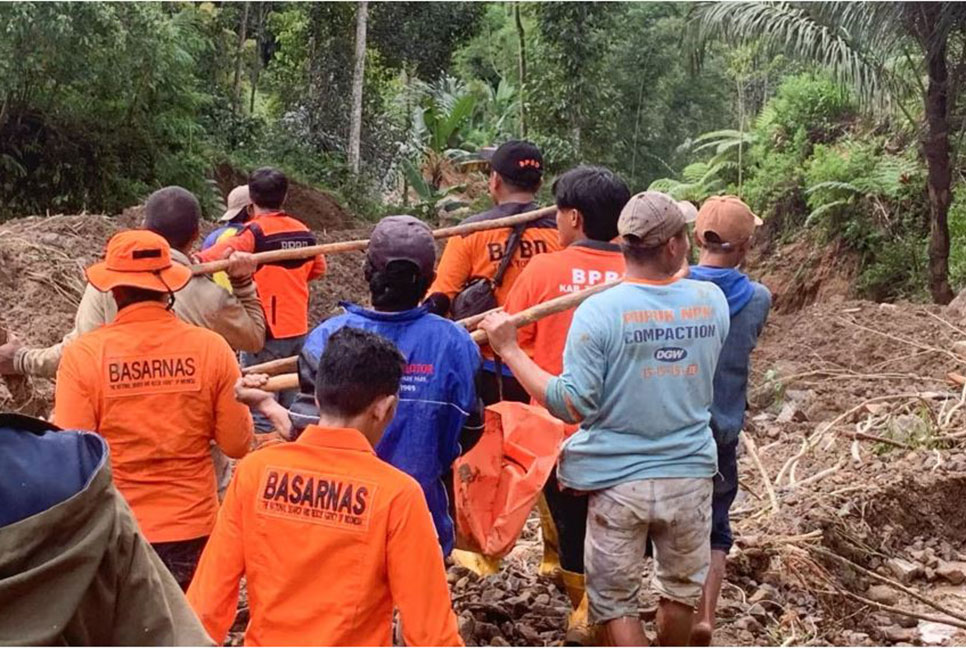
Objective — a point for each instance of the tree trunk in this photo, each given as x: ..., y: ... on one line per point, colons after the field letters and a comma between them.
x: 259, y: 43
x: 242, y: 34
x: 521, y: 36
x: 935, y: 147
x: 358, y: 76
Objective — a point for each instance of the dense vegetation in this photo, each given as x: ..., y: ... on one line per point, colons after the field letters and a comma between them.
x: 827, y: 120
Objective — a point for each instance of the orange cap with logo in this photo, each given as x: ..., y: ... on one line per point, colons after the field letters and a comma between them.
x: 725, y: 222
x: 139, y: 259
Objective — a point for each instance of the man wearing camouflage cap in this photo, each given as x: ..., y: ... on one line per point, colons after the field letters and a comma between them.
x: 638, y: 369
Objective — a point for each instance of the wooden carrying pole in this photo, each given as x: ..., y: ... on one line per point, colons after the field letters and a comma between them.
x: 286, y: 365
x: 524, y: 317
x: 354, y: 246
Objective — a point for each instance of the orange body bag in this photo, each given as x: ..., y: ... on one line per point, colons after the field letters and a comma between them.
x: 497, y: 482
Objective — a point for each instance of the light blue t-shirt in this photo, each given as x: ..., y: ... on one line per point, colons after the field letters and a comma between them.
x: 638, y: 370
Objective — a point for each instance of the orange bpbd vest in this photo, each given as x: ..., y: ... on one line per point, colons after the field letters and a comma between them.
x: 283, y: 287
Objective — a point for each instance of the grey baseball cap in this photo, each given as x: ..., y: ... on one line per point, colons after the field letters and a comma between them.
x: 654, y: 217
x: 402, y: 238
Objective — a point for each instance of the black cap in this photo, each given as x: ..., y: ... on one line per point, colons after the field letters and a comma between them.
x: 518, y: 161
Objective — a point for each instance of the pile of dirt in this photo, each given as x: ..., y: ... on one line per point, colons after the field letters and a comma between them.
x: 42, y: 261
x: 861, y: 439
x: 317, y: 209
x: 803, y: 271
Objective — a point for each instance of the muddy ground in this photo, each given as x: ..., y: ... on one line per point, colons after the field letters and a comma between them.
x: 850, y: 521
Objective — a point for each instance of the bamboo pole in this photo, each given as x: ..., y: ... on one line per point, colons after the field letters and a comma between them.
x: 361, y: 244
x: 524, y: 317
x: 286, y: 365
x: 549, y: 307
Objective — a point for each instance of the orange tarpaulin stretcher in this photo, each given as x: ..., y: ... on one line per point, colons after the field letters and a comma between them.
x: 498, y: 481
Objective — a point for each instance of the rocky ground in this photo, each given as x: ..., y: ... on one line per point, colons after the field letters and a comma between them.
x: 850, y: 521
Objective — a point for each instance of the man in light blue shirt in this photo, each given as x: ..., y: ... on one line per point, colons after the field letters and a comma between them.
x: 639, y: 366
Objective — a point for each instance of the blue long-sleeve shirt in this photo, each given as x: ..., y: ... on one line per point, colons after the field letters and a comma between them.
x: 437, y: 395
x: 750, y: 303
x: 638, y: 370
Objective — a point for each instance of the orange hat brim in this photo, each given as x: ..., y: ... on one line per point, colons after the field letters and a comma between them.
x: 171, y: 279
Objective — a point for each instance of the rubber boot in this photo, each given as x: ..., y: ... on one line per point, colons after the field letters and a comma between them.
x: 550, y: 564
x: 704, y: 619
x: 579, y: 630
x: 477, y: 563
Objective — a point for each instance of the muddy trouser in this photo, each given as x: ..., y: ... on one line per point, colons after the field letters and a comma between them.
x: 181, y: 558
x: 677, y: 515
x: 569, y: 512
x: 273, y: 350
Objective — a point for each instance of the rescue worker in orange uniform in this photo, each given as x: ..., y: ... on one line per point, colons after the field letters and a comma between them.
x: 328, y: 537
x: 589, y: 202
x: 515, y: 177
x: 283, y: 286
x: 159, y: 391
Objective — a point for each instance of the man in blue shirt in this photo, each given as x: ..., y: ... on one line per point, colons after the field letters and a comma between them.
x: 437, y: 398
x: 724, y: 230
x: 639, y: 364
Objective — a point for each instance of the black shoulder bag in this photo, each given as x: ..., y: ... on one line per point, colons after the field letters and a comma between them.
x: 479, y: 293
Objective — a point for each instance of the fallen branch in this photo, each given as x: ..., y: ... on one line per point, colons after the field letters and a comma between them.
x: 896, y: 338
x: 769, y: 488
x: 891, y: 583
x: 816, y: 438
x: 897, y: 610
x: 308, y: 252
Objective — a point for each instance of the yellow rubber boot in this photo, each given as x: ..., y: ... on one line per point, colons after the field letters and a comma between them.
x: 579, y: 630
x: 477, y: 563
x: 550, y: 564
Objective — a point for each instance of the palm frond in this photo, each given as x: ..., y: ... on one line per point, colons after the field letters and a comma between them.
x: 833, y: 185
x: 823, y: 209
x: 835, y: 35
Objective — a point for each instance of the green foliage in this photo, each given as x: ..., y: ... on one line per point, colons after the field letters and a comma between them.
x: 699, y: 181
x: 957, y: 235
x: 421, y: 34
x: 99, y: 105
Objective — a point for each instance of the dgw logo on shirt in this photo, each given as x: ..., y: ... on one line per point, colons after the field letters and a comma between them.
x: 670, y: 354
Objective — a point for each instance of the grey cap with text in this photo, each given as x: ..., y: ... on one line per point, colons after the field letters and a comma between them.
x: 652, y: 218
x: 402, y: 238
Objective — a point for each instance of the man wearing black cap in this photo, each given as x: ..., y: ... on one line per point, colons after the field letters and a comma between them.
x: 437, y: 397
x: 472, y: 264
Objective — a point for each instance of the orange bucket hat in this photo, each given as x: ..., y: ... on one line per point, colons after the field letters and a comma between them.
x: 139, y: 259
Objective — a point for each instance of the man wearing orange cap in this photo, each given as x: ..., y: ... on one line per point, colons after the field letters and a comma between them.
x: 174, y: 213
x: 159, y: 391
x: 724, y: 231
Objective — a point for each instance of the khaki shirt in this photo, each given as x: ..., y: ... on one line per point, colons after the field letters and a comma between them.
x: 237, y: 317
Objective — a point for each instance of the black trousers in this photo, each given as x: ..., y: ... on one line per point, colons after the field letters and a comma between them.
x: 489, y: 389
x: 569, y: 512
x: 181, y: 558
